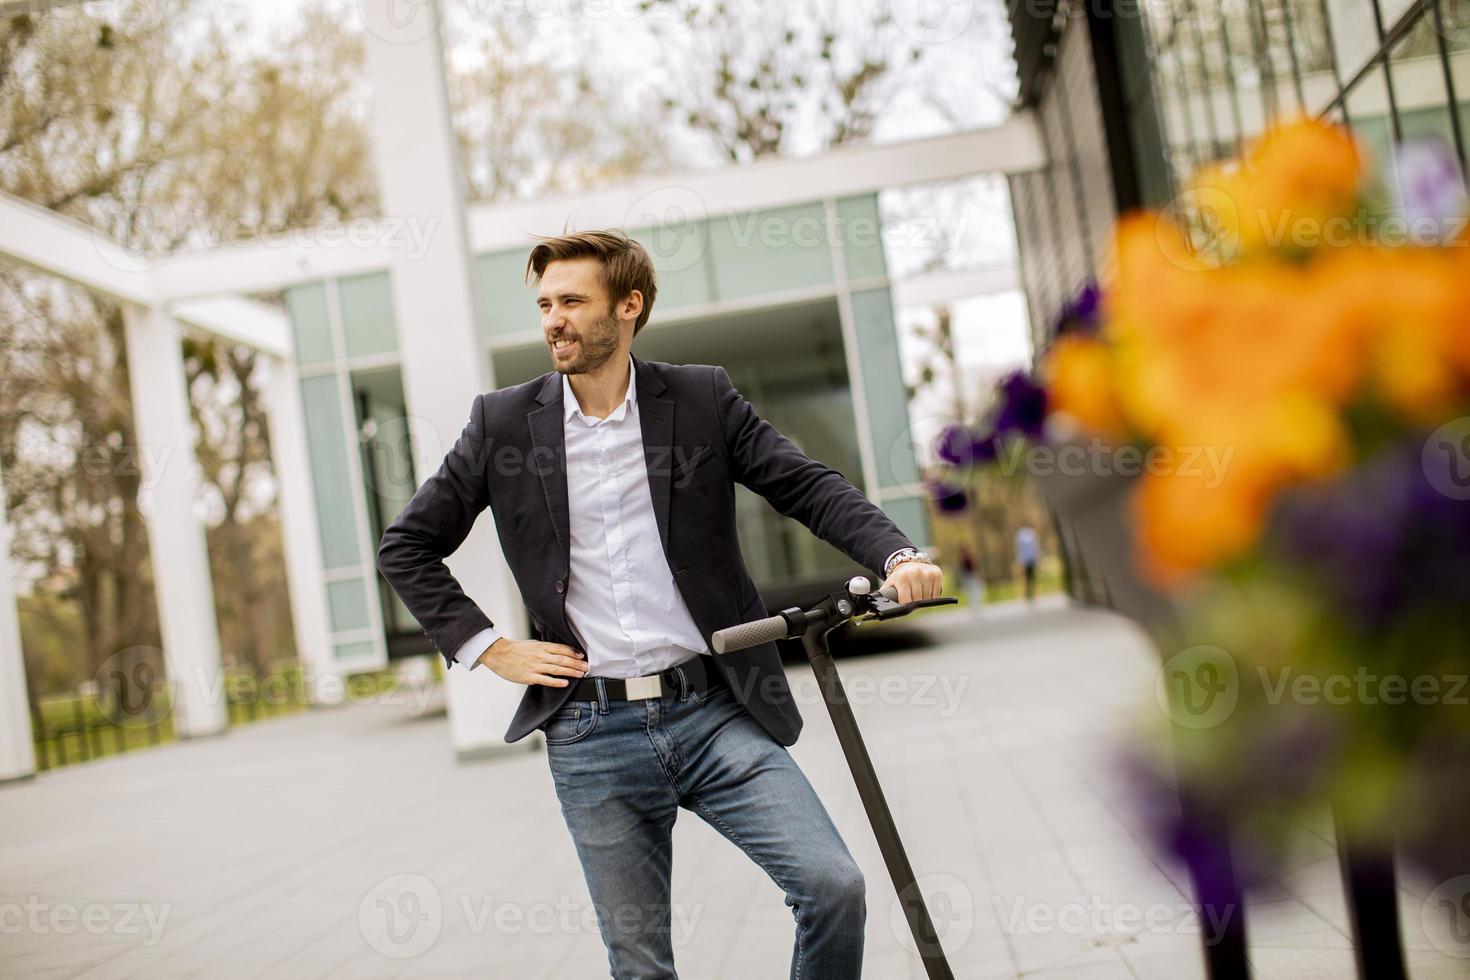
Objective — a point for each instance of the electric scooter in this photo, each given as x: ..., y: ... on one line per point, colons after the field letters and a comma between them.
x: 856, y: 599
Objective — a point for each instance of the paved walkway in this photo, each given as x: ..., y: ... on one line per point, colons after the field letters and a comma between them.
x: 346, y: 843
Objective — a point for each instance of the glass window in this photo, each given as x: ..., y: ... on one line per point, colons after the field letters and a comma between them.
x: 307, y: 308
x: 1418, y: 85
x: 680, y: 253
x: 361, y: 650
x: 767, y: 251
x: 368, y: 323
x: 882, y: 377
x: 1392, y: 10
x: 1180, y: 138
x: 1213, y: 116
x: 331, y: 475
x: 505, y: 301
x: 1321, y: 83
x: 1368, y: 114
x: 911, y: 517
x: 862, y: 236
x: 1250, y: 71
x: 347, y: 602
x: 1455, y: 26
x: 1354, y: 34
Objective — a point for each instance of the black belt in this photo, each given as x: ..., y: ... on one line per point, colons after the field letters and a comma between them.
x: 699, y: 676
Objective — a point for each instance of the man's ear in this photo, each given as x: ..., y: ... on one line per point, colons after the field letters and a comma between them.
x: 632, y: 304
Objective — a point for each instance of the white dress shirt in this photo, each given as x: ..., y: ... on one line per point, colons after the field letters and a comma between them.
x: 621, y: 600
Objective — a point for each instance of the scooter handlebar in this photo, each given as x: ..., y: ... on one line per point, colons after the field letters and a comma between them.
x: 766, y: 630
x: 750, y: 634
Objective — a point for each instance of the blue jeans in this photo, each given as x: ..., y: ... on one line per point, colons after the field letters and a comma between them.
x: 622, y: 771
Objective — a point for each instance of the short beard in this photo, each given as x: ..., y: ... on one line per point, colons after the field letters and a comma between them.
x: 596, y: 347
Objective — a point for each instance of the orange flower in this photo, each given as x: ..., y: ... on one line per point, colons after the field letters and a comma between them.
x: 1414, y: 314
x: 1228, y: 465
x: 1232, y: 337
x: 1295, y: 178
x: 1079, y: 380
x: 1185, y: 522
x: 1239, y: 337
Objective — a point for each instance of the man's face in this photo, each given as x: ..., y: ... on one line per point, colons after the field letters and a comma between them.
x: 581, y: 327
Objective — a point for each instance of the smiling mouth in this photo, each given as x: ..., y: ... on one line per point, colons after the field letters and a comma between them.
x: 561, y: 345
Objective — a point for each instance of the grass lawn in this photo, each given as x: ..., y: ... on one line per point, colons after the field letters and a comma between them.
x: 75, y: 727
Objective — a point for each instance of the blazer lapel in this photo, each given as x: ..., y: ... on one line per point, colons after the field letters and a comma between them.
x: 656, y: 420
x: 549, y: 453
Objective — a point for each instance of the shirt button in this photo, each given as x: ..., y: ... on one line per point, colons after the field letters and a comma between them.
x: 561, y: 586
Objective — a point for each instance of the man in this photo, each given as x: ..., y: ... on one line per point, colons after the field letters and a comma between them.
x: 611, y: 483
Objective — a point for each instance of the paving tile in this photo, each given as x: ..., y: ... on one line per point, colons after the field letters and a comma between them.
x: 284, y: 849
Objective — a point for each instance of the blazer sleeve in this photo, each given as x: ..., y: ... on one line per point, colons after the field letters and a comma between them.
x: 798, y: 486
x: 429, y: 529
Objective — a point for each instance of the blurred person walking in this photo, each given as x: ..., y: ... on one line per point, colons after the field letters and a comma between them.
x: 611, y: 481
x: 1028, y: 553
x: 971, y: 581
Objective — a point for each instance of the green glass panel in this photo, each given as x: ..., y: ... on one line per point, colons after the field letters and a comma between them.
x: 883, y: 390
x: 347, y: 601
x: 1367, y: 109
x: 507, y: 303
x: 359, y: 650
x: 912, y: 518
x: 368, y: 323
x: 861, y: 231
x: 681, y: 262
x: 330, y: 474
x: 769, y: 251
x: 307, y: 307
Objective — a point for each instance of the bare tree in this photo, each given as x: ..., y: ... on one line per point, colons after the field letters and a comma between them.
x: 534, y: 118
x: 157, y: 135
x: 763, y: 78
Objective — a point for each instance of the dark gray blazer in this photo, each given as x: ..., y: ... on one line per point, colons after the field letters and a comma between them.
x: 700, y: 436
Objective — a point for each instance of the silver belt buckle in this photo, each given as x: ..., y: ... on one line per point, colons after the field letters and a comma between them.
x: 642, y: 688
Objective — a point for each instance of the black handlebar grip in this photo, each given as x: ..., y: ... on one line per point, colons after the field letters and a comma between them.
x: 750, y: 634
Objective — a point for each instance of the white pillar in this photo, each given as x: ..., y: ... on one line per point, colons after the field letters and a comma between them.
x: 176, y: 542
x: 300, y: 534
x: 444, y: 364
x: 17, y: 751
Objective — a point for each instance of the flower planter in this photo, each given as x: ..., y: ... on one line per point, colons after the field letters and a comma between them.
x: 1096, y: 507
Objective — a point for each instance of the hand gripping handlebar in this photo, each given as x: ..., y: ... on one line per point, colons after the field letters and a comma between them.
x: 858, y: 598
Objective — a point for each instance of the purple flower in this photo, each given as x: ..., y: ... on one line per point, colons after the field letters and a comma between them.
x: 1022, y: 406
x: 1381, y: 541
x: 958, y: 446
x: 1080, y: 314
x: 1019, y: 410
x: 948, y: 499
x: 953, y: 445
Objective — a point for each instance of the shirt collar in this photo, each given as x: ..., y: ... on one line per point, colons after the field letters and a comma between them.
x: 570, y: 406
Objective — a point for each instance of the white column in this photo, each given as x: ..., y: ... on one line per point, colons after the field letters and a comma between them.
x: 300, y: 534
x: 444, y: 365
x: 176, y: 543
x: 17, y: 751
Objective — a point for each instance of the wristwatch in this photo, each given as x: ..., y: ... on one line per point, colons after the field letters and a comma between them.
x: 902, y: 555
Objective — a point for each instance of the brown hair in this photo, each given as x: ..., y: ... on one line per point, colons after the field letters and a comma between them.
x: 625, y: 265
